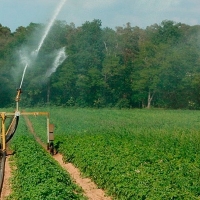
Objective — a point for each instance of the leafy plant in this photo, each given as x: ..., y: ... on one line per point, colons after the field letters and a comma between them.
x: 36, y: 174
x: 132, y: 154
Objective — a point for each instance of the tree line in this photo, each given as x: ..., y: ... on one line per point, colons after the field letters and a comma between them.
x: 125, y: 67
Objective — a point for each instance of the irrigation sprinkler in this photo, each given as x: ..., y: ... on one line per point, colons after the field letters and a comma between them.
x: 8, y: 129
x: 7, y: 133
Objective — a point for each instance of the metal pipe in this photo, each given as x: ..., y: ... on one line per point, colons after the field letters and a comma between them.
x: 2, y: 169
x: 3, y: 131
x: 19, y: 91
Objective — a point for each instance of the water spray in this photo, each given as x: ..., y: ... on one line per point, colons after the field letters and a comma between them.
x: 23, y: 76
x: 60, y: 58
x: 50, y: 25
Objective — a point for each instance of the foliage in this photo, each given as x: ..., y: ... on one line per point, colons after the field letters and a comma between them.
x: 36, y: 174
x: 133, y: 154
x: 126, y: 67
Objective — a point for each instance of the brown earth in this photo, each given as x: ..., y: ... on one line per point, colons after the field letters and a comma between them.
x: 6, y: 190
x: 90, y: 189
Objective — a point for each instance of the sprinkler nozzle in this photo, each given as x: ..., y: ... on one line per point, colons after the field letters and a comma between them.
x: 19, y: 91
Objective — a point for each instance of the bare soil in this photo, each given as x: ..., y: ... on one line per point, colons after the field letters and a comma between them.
x: 90, y: 189
x: 6, y: 190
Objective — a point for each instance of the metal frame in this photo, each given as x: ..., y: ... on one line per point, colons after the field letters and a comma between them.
x: 5, y: 115
x: 15, y: 115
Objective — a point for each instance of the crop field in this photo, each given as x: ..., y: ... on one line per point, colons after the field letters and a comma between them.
x: 131, y: 154
x: 35, y: 174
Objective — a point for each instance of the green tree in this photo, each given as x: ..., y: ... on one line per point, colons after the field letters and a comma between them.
x: 85, y: 47
x: 121, y: 53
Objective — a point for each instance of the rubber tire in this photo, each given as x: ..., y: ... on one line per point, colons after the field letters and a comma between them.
x: 51, y: 148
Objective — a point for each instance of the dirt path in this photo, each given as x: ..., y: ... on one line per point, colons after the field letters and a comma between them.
x: 6, y: 190
x: 90, y: 189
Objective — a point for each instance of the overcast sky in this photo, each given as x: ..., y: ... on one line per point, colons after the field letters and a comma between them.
x: 112, y: 13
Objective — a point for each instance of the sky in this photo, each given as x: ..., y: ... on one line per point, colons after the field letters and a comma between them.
x: 112, y: 13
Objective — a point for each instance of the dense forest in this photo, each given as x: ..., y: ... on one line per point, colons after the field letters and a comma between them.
x: 128, y: 67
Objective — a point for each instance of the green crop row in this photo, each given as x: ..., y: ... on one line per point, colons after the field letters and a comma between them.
x: 133, y: 154
x: 36, y: 175
x: 131, y: 168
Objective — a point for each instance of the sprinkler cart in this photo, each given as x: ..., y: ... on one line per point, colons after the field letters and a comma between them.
x: 7, y: 133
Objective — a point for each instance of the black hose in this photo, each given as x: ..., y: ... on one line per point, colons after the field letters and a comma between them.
x: 10, y: 135
x: 2, y: 168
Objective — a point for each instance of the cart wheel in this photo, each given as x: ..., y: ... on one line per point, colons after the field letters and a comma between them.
x: 51, y: 148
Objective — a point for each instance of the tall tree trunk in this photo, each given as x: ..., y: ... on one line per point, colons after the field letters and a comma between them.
x: 150, y: 97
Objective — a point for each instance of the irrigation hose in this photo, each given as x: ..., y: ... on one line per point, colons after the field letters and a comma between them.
x: 2, y: 169
x: 10, y: 135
